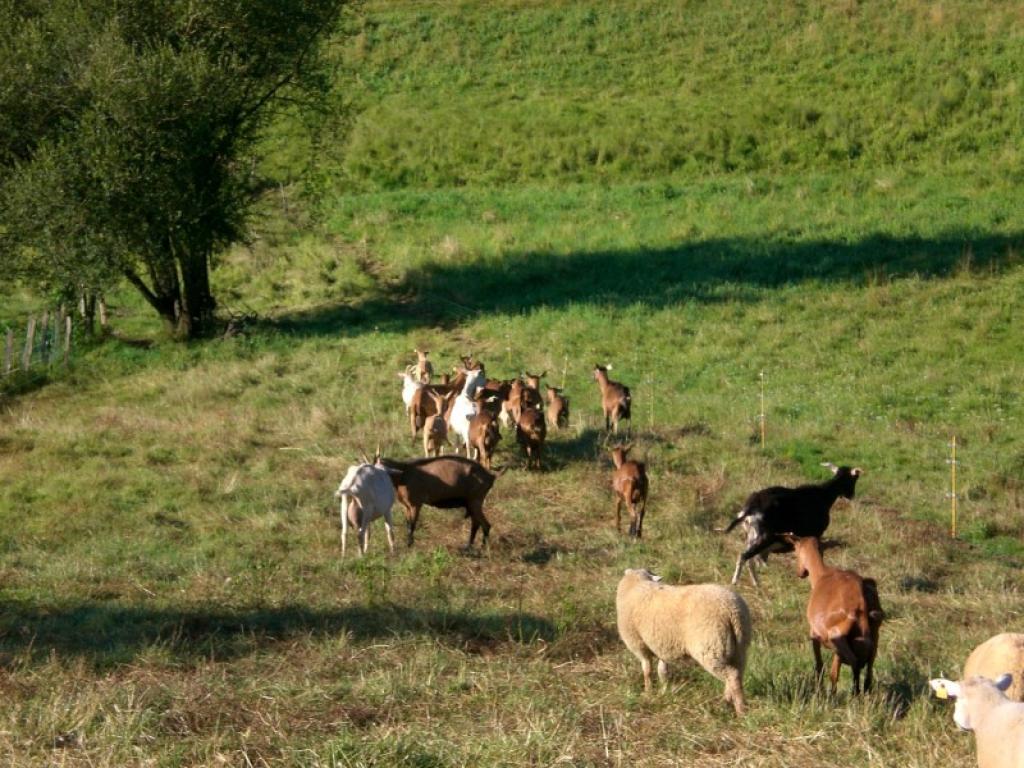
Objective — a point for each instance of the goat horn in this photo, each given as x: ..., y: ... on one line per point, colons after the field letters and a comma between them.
x: 376, y: 456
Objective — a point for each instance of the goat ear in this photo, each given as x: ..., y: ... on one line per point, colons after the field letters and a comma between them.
x: 831, y: 466
x: 944, y: 689
x: 608, y: 367
x: 1004, y: 682
x: 856, y: 471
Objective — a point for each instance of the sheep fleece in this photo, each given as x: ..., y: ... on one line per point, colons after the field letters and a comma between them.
x: 999, y: 654
x: 706, y: 621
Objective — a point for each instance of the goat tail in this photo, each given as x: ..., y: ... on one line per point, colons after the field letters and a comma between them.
x: 737, y: 520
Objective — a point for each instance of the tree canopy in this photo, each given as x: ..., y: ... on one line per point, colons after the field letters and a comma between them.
x: 125, y: 131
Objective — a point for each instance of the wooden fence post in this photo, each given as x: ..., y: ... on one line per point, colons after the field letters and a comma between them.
x: 44, y: 338
x: 8, y: 351
x: 30, y: 337
x: 67, y: 339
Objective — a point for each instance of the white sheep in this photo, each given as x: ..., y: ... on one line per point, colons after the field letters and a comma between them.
x: 997, y: 722
x: 707, y: 622
x: 1001, y: 654
x: 366, y: 493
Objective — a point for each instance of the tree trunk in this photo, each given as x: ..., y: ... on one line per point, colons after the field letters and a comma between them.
x: 87, y: 308
x: 181, y: 295
x: 196, y: 301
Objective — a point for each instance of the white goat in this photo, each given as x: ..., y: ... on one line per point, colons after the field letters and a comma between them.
x: 997, y: 722
x: 409, y: 387
x: 465, y: 406
x: 366, y: 493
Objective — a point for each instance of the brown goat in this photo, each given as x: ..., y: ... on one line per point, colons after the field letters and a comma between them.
x: 558, y: 408
x: 616, y: 400
x: 629, y: 481
x: 424, y: 369
x: 422, y: 405
x: 530, y: 434
x: 843, y: 612
x: 484, y: 435
x: 493, y: 394
x: 447, y: 482
x: 435, y: 428
x: 531, y: 394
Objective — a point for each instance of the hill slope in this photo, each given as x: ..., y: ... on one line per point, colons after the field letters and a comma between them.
x: 172, y: 591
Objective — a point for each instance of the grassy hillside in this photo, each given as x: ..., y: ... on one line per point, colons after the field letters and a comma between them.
x: 172, y: 588
x: 485, y: 94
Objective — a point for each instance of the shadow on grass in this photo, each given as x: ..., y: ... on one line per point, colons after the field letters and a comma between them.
x: 565, y: 447
x: 110, y: 633
x: 709, y: 271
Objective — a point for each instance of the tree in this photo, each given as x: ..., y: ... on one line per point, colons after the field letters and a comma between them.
x: 126, y: 128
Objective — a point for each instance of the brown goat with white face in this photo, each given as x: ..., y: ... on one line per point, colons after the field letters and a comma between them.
x: 558, y: 408
x: 629, y: 481
x: 843, y: 612
x: 530, y: 434
x: 616, y: 400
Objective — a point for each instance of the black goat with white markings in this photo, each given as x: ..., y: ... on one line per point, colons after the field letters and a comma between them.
x: 803, y: 511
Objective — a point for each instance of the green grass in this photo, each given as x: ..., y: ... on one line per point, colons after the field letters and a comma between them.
x: 172, y: 591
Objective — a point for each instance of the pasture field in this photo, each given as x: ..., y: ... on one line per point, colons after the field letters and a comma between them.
x: 171, y: 588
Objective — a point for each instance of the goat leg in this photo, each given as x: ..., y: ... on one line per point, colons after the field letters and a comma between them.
x: 834, y: 674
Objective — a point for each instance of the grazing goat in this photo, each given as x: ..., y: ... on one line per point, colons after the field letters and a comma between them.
x: 629, y: 481
x: 802, y: 511
x: 558, y: 408
x: 616, y: 400
x: 435, y: 428
x: 530, y: 434
x: 707, y: 622
x: 448, y: 482
x: 843, y: 612
x: 424, y: 369
x: 999, y: 655
x: 997, y: 722
x: 484, y: 436
x: 366, y: 493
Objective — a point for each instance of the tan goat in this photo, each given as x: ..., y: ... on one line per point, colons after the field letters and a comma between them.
x: 558, y: 408
x: 616, y: 400
x: 629, y: 481
x: 843, y: 612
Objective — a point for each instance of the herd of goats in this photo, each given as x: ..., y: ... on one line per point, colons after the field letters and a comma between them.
x: 707, y: 622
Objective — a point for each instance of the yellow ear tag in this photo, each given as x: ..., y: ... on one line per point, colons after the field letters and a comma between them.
x: 940, y: 693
